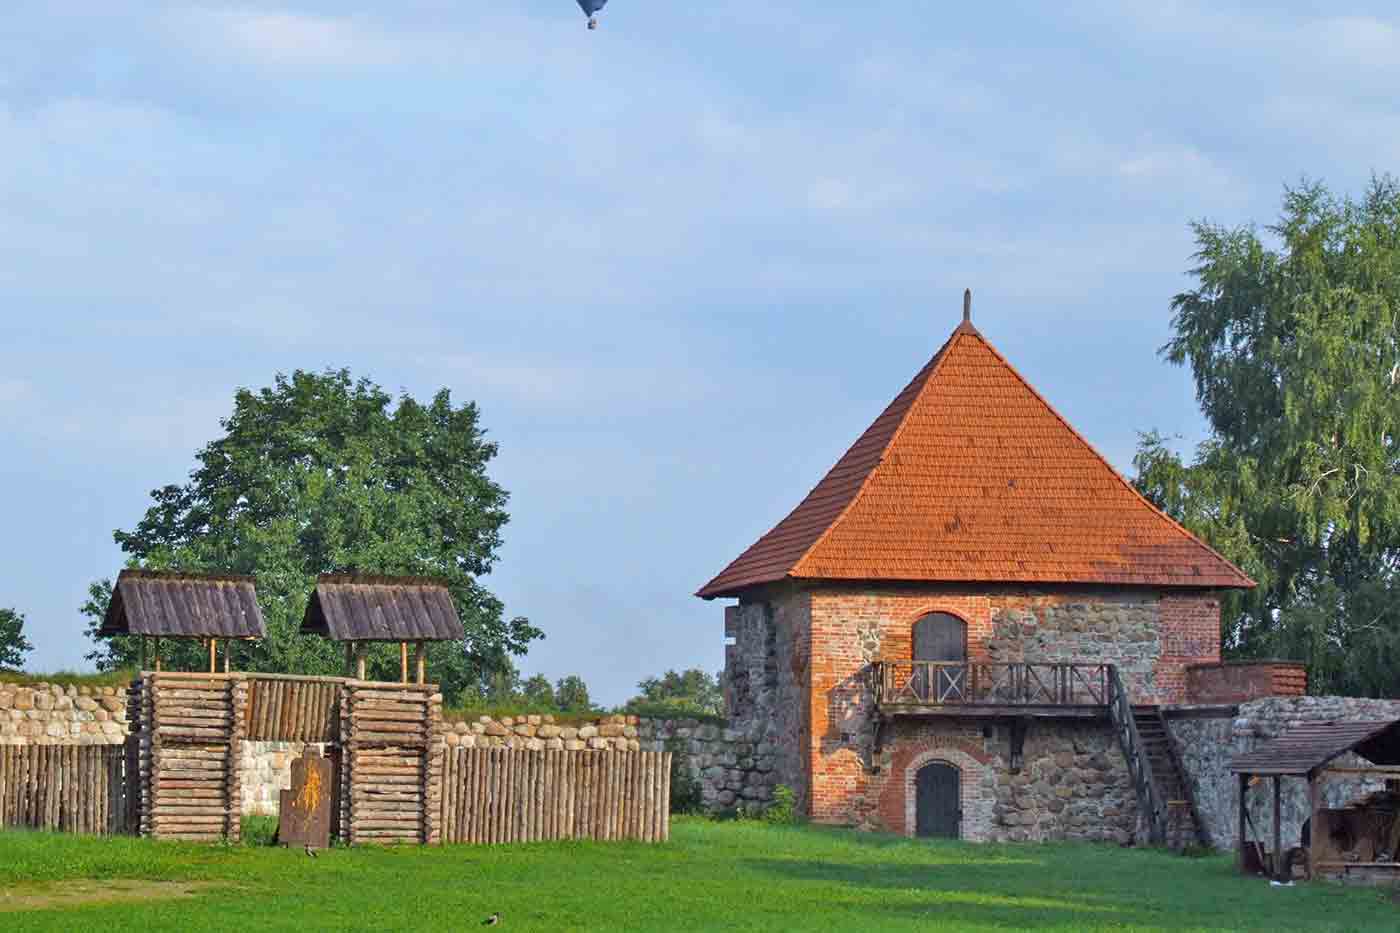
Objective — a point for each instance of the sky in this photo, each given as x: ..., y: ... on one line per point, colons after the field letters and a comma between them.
x: 680, y: 262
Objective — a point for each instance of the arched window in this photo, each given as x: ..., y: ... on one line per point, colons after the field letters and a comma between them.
x: 940, y: 636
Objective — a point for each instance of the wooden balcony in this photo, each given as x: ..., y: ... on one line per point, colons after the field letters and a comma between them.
x: 975, y: 689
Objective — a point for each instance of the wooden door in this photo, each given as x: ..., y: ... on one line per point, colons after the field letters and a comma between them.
x: 937, y: 801
x: 940, y: 636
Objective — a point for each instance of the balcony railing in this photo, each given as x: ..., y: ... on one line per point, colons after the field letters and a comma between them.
x: 957, y: 683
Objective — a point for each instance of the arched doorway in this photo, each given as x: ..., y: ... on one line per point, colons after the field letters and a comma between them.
x: 938, y: 801
x: 940, y: 636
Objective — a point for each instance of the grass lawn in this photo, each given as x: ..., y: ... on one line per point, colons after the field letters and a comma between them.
x: 712, y: 876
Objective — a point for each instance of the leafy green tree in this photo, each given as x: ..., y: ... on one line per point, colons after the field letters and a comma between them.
x: 323, y: 473
x: 571, y: 694
x: 13, y: 645
x: 693, y: 690
x: 537, y: 691
x: 1293, y: 337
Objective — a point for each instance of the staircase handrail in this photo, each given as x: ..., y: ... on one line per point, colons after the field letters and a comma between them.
x: 1139, y: 765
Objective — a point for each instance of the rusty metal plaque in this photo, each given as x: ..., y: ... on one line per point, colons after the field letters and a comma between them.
x: 304, y: 817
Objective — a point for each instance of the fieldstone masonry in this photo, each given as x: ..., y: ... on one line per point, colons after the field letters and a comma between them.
x: 736, y: 768
x: 1208, y: 742
x: 52, y: 714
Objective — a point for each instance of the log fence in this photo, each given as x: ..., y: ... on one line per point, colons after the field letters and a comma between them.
x: 68, y: 788
x: 501, y: 795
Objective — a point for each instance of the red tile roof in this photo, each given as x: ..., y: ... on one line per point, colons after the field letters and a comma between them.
x: 970, y: 476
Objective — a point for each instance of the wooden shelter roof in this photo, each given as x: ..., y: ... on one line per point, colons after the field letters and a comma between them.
x: 167, y: 604
x: 969, y: 476
x: 1307, y: 747
x: 348, y: 607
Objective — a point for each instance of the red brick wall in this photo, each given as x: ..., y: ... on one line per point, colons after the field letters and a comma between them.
x: 1240, y: 682
x: 852, y: 627
x: 1190, y: 635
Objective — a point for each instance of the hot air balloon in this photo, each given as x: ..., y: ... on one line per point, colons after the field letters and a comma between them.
x: 590, y: 9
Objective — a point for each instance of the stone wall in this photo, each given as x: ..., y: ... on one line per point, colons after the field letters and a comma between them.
x: 50, y: 714
x: 736, y: 768
x: 1151, y: 637
x: 1208, y: 742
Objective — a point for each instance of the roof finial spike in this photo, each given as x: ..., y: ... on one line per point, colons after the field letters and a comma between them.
x: 967, y: 305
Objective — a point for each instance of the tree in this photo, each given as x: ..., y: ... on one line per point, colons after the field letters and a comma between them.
x: 322, y: 473
x: 1294, y: 344
x: 692, y: 690
x: 537, y: 691
x: 13, y: 645
x: 571, y: 694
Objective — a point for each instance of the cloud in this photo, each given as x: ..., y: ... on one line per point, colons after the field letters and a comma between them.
x: 292, y: 40
x: 13, y: 391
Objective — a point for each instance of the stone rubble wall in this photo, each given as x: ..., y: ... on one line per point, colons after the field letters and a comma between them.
x: 734, y: 767
x: 1207, y: 743
x: 52, y: 714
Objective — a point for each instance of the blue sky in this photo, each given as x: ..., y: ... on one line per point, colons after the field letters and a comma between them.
x: 680, y: 262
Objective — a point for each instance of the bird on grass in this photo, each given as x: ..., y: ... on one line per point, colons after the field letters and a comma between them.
x: 310, y: 851
x: 492, y: 920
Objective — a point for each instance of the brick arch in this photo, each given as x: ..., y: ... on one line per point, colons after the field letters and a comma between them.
x: 970, y: 772
x: 974, y: 611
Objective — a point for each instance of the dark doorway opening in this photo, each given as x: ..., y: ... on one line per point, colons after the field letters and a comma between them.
x: 938, y: 801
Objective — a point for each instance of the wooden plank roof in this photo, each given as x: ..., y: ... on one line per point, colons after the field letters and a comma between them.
x: 183, y: 605
x: 969, y: 475
x: 1306, y: 747
x: 348, y: 607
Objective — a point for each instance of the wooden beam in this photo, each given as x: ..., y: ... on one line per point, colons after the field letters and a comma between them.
x: 403, y: 662
x: 213, y: 655
x: 1375, y: 770
x: 228, y: 650
x: 359, y: 661
x: 157, y: 653
x: 349, y: 659
x: 1242, y: 837
x: 420, y: 657
x: 1314, y: 807
x: 1278, y: 830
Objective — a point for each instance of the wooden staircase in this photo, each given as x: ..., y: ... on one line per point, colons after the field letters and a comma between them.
x: 1163, y: 793
x: 1183, y: 825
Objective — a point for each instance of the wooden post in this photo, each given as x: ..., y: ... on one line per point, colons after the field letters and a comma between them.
x: 420, y: 658
x: 142, y: 640
x: 1314, y: 808
x: 1241, y: 836
x: 213, y: 655
x: 157, y: 654
x: 359, y: 661
x: 403, y: 662
x: 349, y: 659
x: 1278, y: 832
x: 228, y: 650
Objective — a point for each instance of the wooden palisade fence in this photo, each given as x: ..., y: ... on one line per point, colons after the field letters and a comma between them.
x: 493, y: 795
x: 179, y: 774
x: 70, y: 788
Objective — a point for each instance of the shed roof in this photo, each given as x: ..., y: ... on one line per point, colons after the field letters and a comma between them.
x: 970, y: 476
x: 348, y: 607
x: 1307, y: 747
x: 183, y: 605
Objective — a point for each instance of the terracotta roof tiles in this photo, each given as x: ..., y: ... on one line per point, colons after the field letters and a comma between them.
x: 970, y: 476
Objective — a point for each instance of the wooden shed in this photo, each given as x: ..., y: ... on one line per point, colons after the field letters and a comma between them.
x: 1360, y: 841
x: 156, y: 604
x: 360, y: 609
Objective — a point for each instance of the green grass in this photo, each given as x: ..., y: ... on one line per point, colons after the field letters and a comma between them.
x: 70, y: 678
x: 731, y: 876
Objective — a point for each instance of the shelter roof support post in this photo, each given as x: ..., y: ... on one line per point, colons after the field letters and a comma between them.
x: 420, y: 659
x: 213, y: 655
x: 228, y: 650
x: 141, y: 639
x: 157, y: 654
x: 403, y: 662
x: 349, y: 659
x: 1242, y: 833
x: 1278, y: 831
x: 1314, y: 807
x: 359, y: 660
